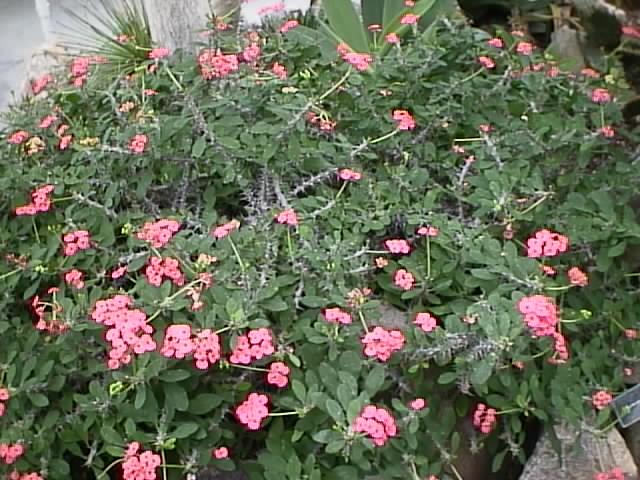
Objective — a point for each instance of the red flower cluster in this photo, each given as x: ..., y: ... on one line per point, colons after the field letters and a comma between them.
x: 158, y: 53
x: 253, y: 411
x: 577, y: 277
x: 614, y: 474
x: 40, y: 201
x: 251, y: 53
x: 381, y: 343
x: 426, y: 322
x: 278, y: 374
x: 289, y: 25
x: 337, y: 315
x: 600, y: 96
x: 398, y: 246
x: 360, y: 61
x: 138, y: 143
x: 349, y: 175
x: 17, y: 138
x: 601, y: 399
x: 213, y: 64
x: 24, y: 476
x: 404, y: 119
x: 287, y: 217
x: 168, y: 267
x: 158, y: 233
x: 539, y: 314
x: 140, y: 466
x: 128, y: 331
x: 253, y: 346
x: 10, y: 453
x: 4, y: 397
x: 75, y: 242
x: 546, y: 243
x: 75, y: 278
x: 484, y: 419
x: 376, y: 423
x: 403, y: 279
x: 41, y: 83
x: 179, y: 342
x: 222, y: 231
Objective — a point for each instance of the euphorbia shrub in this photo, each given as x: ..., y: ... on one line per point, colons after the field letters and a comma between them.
x: 196, y: 258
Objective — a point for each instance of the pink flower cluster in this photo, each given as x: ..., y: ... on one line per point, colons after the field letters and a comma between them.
x: 404, y: 119
x: 214, y: 64
x: 40, y: 201
x: 486, y: 62
x: 615, y: 474
x: 220, y: 453
x: 360, y: 61
x: 349, y: 175
x: 75, y: 242
x: 159, y: 233
x: 428, y: 231
x: 279, y: 71
x: 222, y: 231
x: 524, y: 48
x: 75, y: 278
x: 253, y: 410
x: 17, y: 138
x: 53, y: 324
x: 546, y: 243
x: 255, y: 345
x: 320, y: 121
x: 4, y: 397
x: 138, y: 143
x: 287, y: 217
x: 539, y: 314
x: 47, y: 121
x: 180, y: 342
x: 40, y: 83
x: 600, y: 96
x: 139, y: 465
x: 10, y: 453
x: 337, y: 315
x: 159, y: 268
x: 79, y: 70
x: 409, y: 19
x: 484, y: 419
x: 392, y: 38
x: 398, y: 246
x: 561, y: 352
x: 128, y: 332
x: 289, y: 25
x: 495, y: 42
x: 403, y: 279
x: 376, y: 423
x: 278, y: 374
x: 426, y: 322
x: 381, y: 343
x: 158, y: 53
x: 24, y: 476
x: 251, y: 53
x: 577, y: 277
x: 601, y: 399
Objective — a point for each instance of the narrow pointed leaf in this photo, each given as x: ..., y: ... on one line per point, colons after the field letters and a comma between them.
x: 372, y: 11
x: 421, y: 8
x: 346, y: 24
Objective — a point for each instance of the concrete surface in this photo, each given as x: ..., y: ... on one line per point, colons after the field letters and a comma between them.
x: 21, y: 32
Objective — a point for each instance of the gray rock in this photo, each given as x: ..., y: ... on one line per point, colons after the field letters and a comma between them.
x: 566, y: 46
x: 582, y: 456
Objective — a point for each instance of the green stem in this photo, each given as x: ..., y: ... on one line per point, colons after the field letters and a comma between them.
x: 601, y: 116
x: 253, y: 369
x: 35, y: 229
x: 384, y: 137
x: 474, y: 139
x: 414, y: 471
x: 164, y: 462
x: 472, y: 76
x: 237, y: 254
x: 362, y: 320
x: 533, y: 205
x: 62, y: 199
x: 8, y: 274
x: 113, y: 464
x: 283, y: 414
x: 290, y: 246
x: 222, y: 330
x: 174, y: 79
x: 559, y: 289
x: 512, y: 410
x: 428, y: 258
x: 342, y: 188
x: 336, y: 86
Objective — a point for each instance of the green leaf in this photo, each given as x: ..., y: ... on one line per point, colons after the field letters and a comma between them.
x: 175, y: 397
x: 171, y: 376
x: 392, y: 8
x: 481, y: 372
x: 313, y: 302
x: 335, y: 446
x: 184, y: 430
x: 204, y: 403
x: 199, y: 147
x: 109, y: 435
x: 335, y: 410
x: 141, y: 396
x: 421, y: 8
x: 374, y: 380
x: 299, y: 390
x: 346, y: 25
x: 447, y: 378
x: 39, y: 400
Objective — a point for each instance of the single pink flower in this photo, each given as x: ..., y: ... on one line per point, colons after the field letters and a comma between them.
x: 427, y: 322
x: 287, y: 217
x: 418, y: 404
x: 409, y: 19
x: 221, y: 453
x: 158, y: 53
x: 486, y: 62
